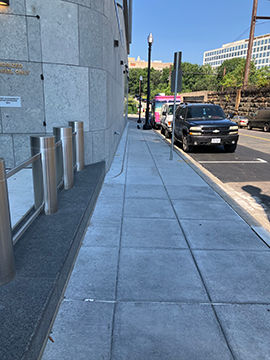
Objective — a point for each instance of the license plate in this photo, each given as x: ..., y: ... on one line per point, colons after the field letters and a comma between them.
x: 215, y: 141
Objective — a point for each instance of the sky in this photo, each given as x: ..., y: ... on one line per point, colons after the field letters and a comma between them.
x: 192, y: 26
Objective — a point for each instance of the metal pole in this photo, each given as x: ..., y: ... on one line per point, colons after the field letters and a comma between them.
x: 44, y: 176
x: 77, y: 127
x: 175, y: 93
x: 146, y: 125
x: 65, y: 134
x: 7, y: 267
x: 250, y: 43
x: 140, y: 92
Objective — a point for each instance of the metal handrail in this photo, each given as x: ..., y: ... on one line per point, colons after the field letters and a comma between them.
x: 22, y: 165
x: 27, y: 224
x: 69, y: 158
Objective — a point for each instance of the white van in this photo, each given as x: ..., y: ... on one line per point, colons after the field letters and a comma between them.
x: 166, y: 118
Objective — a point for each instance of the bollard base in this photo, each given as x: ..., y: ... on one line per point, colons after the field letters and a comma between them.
x: 147, y: 127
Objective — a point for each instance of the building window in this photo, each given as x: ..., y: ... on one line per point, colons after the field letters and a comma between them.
x: 263, y: 61
x: 259, y: 42
x: 263, y: 54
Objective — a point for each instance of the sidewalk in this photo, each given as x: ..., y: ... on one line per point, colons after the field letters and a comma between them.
x: 167, y: 269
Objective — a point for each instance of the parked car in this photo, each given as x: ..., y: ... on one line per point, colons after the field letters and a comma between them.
x: 204, y: 125
x: 166, y: 118
x: 260, y: 119
x: 241, y: 121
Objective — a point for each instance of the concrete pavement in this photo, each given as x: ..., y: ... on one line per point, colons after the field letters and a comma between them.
x: 167, y: 268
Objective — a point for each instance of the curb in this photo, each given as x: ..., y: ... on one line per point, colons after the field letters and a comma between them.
x: 216, y: 185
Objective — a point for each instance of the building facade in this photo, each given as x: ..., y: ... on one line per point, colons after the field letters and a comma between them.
x: 61, y: 61
x: 141, y: 64
x: 238, y: 49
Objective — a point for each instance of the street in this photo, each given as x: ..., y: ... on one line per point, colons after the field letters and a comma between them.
x: 244, y: 174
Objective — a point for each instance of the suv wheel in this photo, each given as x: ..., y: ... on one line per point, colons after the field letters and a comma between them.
x: 249, y: 127
x: 266, y: 127
x: 186, y: 147
x: 229, y: 148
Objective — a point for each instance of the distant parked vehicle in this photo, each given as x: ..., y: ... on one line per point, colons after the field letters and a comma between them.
x: 260, y: 119
x: 157, y: 103
x: 166, y: 118
x: 241, y: 121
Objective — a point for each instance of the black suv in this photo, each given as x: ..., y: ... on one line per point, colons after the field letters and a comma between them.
x: 204, y: 125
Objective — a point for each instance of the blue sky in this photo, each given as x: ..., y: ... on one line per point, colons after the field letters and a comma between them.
x: 192, y: 26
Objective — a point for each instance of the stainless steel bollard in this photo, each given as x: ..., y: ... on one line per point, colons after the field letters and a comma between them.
x: 7, y: 267
x: 65, y: 134
x: 44, y: 176
x: 77, y: 126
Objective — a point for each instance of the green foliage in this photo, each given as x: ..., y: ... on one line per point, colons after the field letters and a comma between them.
x: 263, y: 77
x: 132, y: 106
x: 234, y: 77
x: 199, y: 78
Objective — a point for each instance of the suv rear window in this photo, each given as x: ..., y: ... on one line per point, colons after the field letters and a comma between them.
x: 205, y: 112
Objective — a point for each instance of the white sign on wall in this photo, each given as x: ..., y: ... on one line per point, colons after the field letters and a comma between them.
x: 10, y: 101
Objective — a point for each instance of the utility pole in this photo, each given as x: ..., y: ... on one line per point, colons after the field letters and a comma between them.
x: 250, y: 43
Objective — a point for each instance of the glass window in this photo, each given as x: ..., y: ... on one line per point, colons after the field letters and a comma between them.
x: 260, y: 61
x: 266, y: 60
x: 259, y: 42
x: 257, y: 56
x: 260, y: 55
x: 263, y: 60
x: 267, y: 54
x: 255, y: 43
x: 264, y: 54
x: 261, y: 48
x: 264, y: 47
x: 205, y: 112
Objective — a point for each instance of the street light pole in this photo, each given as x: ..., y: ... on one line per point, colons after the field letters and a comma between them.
x: 147, y: 125
x: 140, y: 92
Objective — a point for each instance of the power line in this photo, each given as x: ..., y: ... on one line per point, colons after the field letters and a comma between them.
x: 248, y: 30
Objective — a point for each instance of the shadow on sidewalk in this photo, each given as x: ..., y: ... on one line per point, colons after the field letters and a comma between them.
x: 261, y: 199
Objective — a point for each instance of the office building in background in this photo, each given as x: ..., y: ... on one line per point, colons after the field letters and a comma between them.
x: 238, y: 49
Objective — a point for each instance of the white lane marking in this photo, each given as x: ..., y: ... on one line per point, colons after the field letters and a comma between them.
x: 257, y: 161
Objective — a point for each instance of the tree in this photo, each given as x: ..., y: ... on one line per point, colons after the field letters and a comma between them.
x: 235, y: 77
x: 263, y: 77
x: 197, y: 77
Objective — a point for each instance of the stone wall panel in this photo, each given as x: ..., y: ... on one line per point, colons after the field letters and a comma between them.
x: 66, y: 95
x: 13, y: 39
x: 30, y: 116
